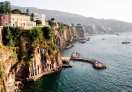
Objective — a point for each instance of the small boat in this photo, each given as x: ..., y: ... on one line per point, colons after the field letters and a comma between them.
x: 82, y: 41
x: 99, y: 65
x: 75, y: 55
x: 88, y: 39
x: 69, y: 46
x: 126, y: 42
x: 103, y: 38
x: 95, y: 63
x: 117, y: 34
x: 67, y: 66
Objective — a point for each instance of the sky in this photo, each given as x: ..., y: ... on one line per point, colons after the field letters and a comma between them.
x: 106, y: 9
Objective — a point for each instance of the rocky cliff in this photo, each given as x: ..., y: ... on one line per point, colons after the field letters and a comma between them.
x: 27, y: 55
x: 64, y: 34
x: 8, y: 61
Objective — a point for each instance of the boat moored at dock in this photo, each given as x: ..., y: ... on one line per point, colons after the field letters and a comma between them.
x: 95, y: 63
x: 75, y: 55
x: 126, y: 42
x: 98, y: 65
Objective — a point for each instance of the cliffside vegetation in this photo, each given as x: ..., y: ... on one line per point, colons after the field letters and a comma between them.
x: 32, y: 52
x: 19, y: 50
x: 25, y: 41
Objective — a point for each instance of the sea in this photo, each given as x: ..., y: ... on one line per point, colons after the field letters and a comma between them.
x: 82, y: 77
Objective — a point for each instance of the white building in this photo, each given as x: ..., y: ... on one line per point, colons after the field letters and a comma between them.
x: 41, y: 17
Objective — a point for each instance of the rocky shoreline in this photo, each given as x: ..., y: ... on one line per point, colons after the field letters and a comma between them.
x: 32, y: 59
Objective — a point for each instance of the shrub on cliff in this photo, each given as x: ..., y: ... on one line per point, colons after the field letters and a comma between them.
x: 16, y: 11
x: 62, y: 28
x: 35, y: 34
x: 47, y: 33
x: 30, y: 39
x: 38, y: 22
x: 27, y: 40
x: 10, y: 36
x: 0, y: 74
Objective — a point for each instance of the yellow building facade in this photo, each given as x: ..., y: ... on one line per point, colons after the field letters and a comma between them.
x: 22, y: 21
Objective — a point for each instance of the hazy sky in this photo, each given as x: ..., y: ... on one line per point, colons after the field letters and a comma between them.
x: 107, y: 9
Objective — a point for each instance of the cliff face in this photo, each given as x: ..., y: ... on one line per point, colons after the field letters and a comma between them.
x: 43, y: 63
x: 39, y: 55
x: 64, y: 34
x: 12, y: 73
x: 7, y: 70
x: 27, y: 55
x: 32, y: 54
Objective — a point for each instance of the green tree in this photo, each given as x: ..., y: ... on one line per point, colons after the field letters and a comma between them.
x: 27, y: 11
x: 47, y: 33
x: 51, y: 21
x: 16, y: 11
x: 38, y: 22
x: 32, y: 17
x: 5, y: 7
x: 10, y: 35
x: 35, y: 34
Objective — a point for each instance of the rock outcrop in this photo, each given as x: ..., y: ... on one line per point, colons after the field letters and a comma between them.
x: 32, y: 54
x: 64, y: 34
x: 7, y: 69
x: 43, y: 63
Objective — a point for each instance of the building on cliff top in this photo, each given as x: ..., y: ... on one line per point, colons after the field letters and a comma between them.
x: 16, y: 20
x: 4, y: 19
x: 22, y: 21
x: 40, y: 17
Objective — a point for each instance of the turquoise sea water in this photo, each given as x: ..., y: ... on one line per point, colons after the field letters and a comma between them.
x: 83, y: 78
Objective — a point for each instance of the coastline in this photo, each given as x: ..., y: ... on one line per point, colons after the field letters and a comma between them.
x: 39, y: 76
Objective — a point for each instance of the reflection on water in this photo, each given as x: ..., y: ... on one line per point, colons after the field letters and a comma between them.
x: 44, y: 84
x: 83, y: 78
